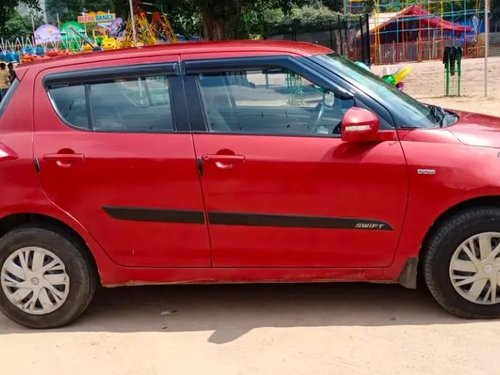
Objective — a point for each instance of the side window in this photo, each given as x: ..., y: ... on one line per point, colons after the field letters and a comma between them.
x: 134, y: 104
x: 71, y: 105
x: 270, y: 101
x: 138, y: 104
x: 4, y: 101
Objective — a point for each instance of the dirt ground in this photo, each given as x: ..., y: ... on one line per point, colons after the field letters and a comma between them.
x: 426, y: 82
x: 257, y: 329
x: 271, y: 329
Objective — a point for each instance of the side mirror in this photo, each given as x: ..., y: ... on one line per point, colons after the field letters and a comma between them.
x: 360, y: 125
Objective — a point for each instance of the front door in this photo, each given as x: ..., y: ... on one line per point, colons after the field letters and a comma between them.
x: 281, y: 188
x: 111, y: 155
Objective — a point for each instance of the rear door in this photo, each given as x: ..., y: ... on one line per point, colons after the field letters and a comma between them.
x: 114, y: 151
x: 281, y: 188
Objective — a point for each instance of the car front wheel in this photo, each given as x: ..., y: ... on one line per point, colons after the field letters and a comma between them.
x: 46, y: 280
x: 462, y: 263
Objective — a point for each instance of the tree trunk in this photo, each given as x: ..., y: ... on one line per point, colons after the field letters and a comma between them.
x: 220, y: 25
x: 214, y: 27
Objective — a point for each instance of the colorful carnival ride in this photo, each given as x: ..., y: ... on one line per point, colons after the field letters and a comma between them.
x: 94, y: 31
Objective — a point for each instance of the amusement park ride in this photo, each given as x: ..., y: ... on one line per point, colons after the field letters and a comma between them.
x: 92, y: 32
x: 149, y: 31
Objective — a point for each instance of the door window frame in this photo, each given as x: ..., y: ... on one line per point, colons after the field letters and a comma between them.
x: 86, y: 77
x: 301, y: 66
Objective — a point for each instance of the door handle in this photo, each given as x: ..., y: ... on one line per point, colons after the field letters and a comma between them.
x: 224, y: 158
x: 223, y: 161
x: 64, y: 160
x: 64, y: 157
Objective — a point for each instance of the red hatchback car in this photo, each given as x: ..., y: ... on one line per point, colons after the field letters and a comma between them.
x: 238, y: 162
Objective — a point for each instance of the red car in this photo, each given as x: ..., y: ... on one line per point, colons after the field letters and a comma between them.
x: 238, y: 162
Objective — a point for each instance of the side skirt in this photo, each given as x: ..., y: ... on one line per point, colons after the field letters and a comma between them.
x: 158, y: 276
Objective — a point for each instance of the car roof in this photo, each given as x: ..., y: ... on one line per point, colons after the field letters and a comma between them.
x: 227, y: 48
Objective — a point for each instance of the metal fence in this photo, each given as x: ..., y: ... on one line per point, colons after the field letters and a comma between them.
x: 348, y: 36
x: 393, y: 53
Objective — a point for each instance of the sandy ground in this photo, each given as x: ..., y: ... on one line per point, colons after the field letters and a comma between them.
x: 426, y: 82
x: 260, y: 329
x: 271, y: 329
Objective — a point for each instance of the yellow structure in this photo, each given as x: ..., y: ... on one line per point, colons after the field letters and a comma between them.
x: 149, y: 33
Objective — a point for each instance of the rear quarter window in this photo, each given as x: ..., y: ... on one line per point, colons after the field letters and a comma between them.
x: 8, y: 96
x: 71, y: 105
x: 137, y: 104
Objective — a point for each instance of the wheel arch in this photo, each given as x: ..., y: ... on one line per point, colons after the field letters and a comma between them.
x: 451, y: 211
x: 13, y: 221
x: 410, y: 275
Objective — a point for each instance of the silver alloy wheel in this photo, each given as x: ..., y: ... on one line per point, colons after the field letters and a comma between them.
x: 475, y: 269
x: 34, y: 279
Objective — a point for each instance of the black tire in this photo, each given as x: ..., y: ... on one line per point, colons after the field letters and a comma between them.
x: 79, y: 268
x: 438, y: 253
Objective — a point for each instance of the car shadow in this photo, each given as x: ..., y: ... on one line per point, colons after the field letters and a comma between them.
x: 230, y: 311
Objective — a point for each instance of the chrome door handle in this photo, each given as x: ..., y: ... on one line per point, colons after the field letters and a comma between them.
x: 64, y: 157
x: 223, y: 158
x: 64, y: 160
x: 223, y: 161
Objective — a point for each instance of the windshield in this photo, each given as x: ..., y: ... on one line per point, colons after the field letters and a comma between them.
x: 407, y: 111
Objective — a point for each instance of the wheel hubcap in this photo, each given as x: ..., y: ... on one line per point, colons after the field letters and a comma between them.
x: 35, y: 280
x: 475, y: 269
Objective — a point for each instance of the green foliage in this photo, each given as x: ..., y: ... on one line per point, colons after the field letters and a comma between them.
x: 255, y: 20
x: 450, y: 7
x: 338, y: 6
x: 17, y: 26
x: 187, y: 25
x: 69, y: 10
x: 447, y: 7
x: 7, y: 10
x: 214, y: 18
x: 313, y: 15
x: 219, y: 18
x: 305, y: 18
x: 335, y: 5
x: 368, y: 6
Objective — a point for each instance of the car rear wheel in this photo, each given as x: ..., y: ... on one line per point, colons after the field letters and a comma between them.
x: 461, y: 263
x: 46, y: 280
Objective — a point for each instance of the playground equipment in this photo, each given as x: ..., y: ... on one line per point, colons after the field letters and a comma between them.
x: 71, y: 33
x: 420, y: 30
x: 47, y: 35
x: 94, y: 31
x: 396, y: 79
x: 452, y: 60
x: 87, y: 44
x: 295, y: 89
x: 101, y: 26
x: 149, y: 32
x: 144, y: 31
x: 102, y: 39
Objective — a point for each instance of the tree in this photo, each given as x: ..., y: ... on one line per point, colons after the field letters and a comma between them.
x: 338, y: 5
x: 215, y: 19
x: 20, y: 26
x: 7, y: 10
x: 224, y: 19
x: 68, y: 10
x: 335, y: 5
